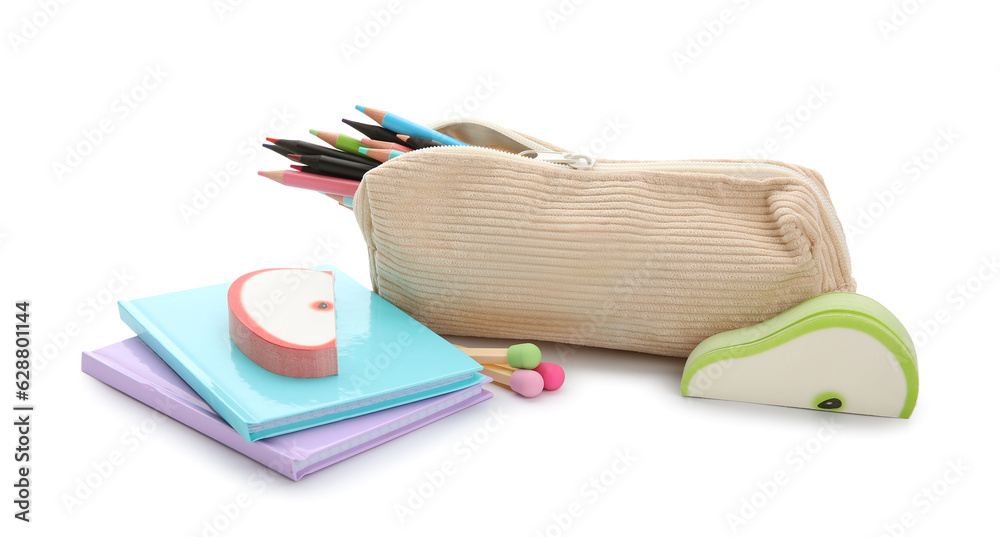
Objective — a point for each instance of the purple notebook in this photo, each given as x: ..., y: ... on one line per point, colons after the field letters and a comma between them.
x: 132, y: 368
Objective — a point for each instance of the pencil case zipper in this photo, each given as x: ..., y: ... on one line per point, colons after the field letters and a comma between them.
x: 743, y: 168
x: 554, y: 156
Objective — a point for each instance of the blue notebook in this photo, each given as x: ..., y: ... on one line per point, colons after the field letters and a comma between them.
x: 386, y: 359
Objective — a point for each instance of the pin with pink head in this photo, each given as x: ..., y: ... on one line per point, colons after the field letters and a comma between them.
x: 525, y: 382
x: 553, y: 376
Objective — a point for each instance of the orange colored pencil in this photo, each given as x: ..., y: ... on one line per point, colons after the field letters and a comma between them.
x: 379, y: 144
x: 381, y: 155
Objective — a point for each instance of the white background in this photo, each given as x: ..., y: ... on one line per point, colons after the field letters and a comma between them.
x: 923, y: 251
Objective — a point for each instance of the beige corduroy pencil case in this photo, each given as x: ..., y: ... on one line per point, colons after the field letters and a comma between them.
x: 650, y: 256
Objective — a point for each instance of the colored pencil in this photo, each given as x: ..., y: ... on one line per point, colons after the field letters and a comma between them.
x: 279, y: 150
x: 342, y: 142
x: 298, y: 147
x: 381, y: 155
x: 340, y: 168
x: 379, y: 144
x: 344, y: 201
x: 361, y: 167
x: 309, y: 181
x: 372, y: 131
x: 404, y: 126
x: 307, y: 169
x: 418, y: 142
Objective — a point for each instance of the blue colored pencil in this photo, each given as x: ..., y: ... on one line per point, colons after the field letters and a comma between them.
x: 404, y: 126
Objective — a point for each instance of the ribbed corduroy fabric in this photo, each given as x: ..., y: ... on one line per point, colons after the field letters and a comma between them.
x: 497, y: 245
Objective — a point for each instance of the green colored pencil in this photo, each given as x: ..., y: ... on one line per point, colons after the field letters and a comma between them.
x: 342, y: 142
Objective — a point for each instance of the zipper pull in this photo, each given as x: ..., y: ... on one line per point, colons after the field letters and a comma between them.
x: 573, y: 160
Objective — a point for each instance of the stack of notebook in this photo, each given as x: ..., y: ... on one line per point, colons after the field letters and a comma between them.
x: 395, y: 376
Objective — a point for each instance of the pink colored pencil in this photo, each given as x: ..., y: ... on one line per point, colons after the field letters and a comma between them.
x: 339, y: 198
x: 379, y: 144
x: 311, y: 181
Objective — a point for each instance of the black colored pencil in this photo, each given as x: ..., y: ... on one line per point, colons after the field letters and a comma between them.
x: 338, y: 168
x: 317, y: 171
x: 374, y: 132
x: 417, y: 142
x: 298, y: 147
x: 279, y: 150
